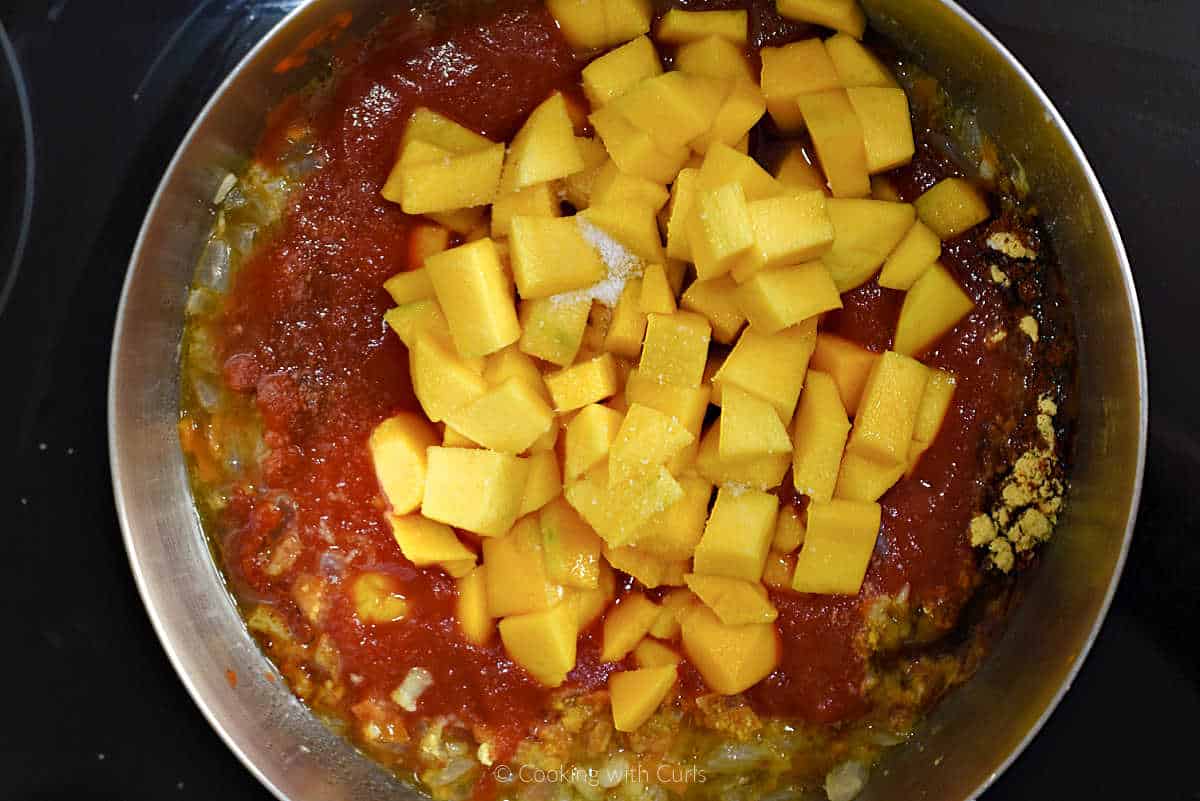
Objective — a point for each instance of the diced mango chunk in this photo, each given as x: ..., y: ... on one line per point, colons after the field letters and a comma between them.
x: 935, y: 303
x: 935, y: 403
x: 651, y: 653
x: 771, y: 366
x: 477, y: 490
x: 750, y: 426
x: 678, y: 212
x: 426, y: 542
x: 838, y: 137
x: 552, y: 328
x: 951, y: 207
x: 475, y: 295
x: 613, y: 188
x: 915, y: 254
x: 735, y: 601
x: 428, y: 126
x: 798, y: 172
x: 398, y: 453
x: 685, y: 404
x: 539, y: 200
x: 442, y: 381
x: 865, y: 233
x: 543, y: 642
x: 789, y: 530
x: 743, y: 107
x: 837, y: 547
x: 790, y: 229
x: 636, y: 694
x: 428, y: 179
x: 819, y: 437
x: 716, y: 57
x: 773, y: 300
x: 674, y: 533
x: 763, y: 472
x: 841, y: 15
x: 717, y: 301
x: 861, y: 478
x: 627, y: 327
x: 719, y: 231
x: 778, y: 573
x: 886, y: 125
x: 619, y: 510
x: 544, y: 483
x: 847, y: 363
x: 738, y: 534
x: 650, y: 570
x: 377, y: 598
x: 656, y: 296
x: 571, y: 549
x: 724, y: 165
x: 633, y: 150
x: 674, y: 605
x: 731, y: 659
x: 887, y: 412
x: 680, y: 27
x: 517, y: 580
x: 550, y: 256
x: 477, y: 622
x: 855, y: 64
x: 676, y: 348
x: 416, y: 319
x: 793, y: 70
x: 647, y: 437
x: 508, y: 417
x: 626, y: 624
x: 410, y: 285
x: 614, y: 73
x: 583, y: 383
x: 589, y: 436
x: 673, y: 108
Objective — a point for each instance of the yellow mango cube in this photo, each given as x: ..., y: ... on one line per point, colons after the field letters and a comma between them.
x: 673, y: 108
x: 935, y: 403
x: 543, y: 642
x: 790, y: 229
x: 750, y: 426
x: 680, y: 27
x: 649, y: 570
x: 628, y: 325
x: 589, y: 436
x: 884, y: 188
x: 887, y: 412
x: 539, y: 200
x: 589, y: 604
x: 771, y: 366
x: 571, y: 549
x: 651, y: 653
x: 674, y: 533
x: 678, y: 212
x: 460, y: 221
x: 838, y: 138
x: 453, y: 439
x: 613, y: 188
x: 476, y: 296
x: 737, y: 535
x: 626, y: 624
x: 552, y: 328
x: 763, y: 472
x: 731, y: 659
x: 952, y: 207
x: 472, y: 489
x: 544, y: 483
x: 513, y: 363
x: 626, y: 19
x: 789, y: 531
x: 865, y: 232
x: 425, y: 542
x: 551, y: 256
x: 819, y: 437
x: 793, y: 70
x: 544, y: 149
x: 586, y: 382
x: 509, y: 417
x: 636, y: 694
x: 716, y: 299
x: 675, y: 348
x: 617, y: 71
x: 577, y: 187
x: 777, y: 575
x: 646, y: 437
x: 743, y: 107
x: 442, y: 381
x: 471, y: 609
x: 841, y: 15
x: 377, y: 598
x: 837, y: 547
x: 863, y: 479
x: 440, y: 131
x: 798, y: 173
x: 734, y: 601
x: 633, y: 226
x: 719, y: 230
x: 886, y: 125
x: 724, y: 165
x: 856, y: 65
x: 418, y: 318
x: 428, y: 179
x: 673, y: 607
x: 398, y: 447
x: 773, y: 300
x: 633, y: 150
x: 935, y: 303
x: 656, y: 296
x: 619, y: 510
x: 716, y: 57
x: 517, y: 580
x: 915, y: 254
x: 685, y: 404
x: 847, y: 363
x: 408, y: 286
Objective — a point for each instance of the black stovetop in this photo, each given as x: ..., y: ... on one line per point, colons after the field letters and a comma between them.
x: 94, y: 709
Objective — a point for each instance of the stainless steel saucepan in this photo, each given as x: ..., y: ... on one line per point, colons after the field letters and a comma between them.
x: 971, y: 737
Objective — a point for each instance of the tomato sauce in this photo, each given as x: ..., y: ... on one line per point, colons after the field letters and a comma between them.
x: 303, y: 331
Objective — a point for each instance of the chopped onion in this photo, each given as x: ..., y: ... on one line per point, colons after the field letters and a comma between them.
x: 845, y: 781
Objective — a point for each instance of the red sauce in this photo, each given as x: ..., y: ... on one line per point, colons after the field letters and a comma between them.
x: 303, y: 331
